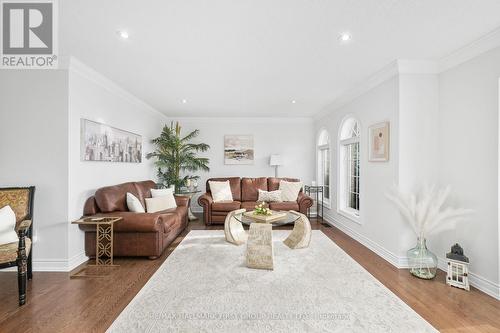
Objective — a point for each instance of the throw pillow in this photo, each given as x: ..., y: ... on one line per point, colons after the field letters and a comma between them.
x: 271, y: 196
x: 7, y: 226
x: 162, y: 192
x: 157, y: 204
x: 290, y: 190
x: 133, y: 204
x: 221, y: 191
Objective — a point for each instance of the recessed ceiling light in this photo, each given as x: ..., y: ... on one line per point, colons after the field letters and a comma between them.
x: 123, y: 34
x: 184, y: 101
x: 294, y: 101
x: 345, y: 37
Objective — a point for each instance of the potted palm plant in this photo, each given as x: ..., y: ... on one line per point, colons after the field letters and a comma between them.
x: 176, y: 154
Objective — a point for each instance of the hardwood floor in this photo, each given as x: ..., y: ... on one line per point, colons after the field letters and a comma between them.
x: 59, y: 304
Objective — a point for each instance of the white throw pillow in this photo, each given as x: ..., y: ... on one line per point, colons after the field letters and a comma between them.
x: 157, y: 204
x: 8, y: 226
x: 162, y: 192
x: 221, y: 191
x: 133, y: 204
x: 290, y: 190
x: 271, y: 196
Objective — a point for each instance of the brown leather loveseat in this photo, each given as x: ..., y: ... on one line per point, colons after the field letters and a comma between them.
x: 245, y: 193
x: 138, y: 234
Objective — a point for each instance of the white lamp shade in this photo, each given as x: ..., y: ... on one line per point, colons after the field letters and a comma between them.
x: 276, y: 160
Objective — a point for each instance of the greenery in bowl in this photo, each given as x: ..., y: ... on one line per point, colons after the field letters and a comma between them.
x: 262, y: 209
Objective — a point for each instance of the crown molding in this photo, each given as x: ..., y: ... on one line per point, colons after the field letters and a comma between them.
x: 73, y: 65
x: 406, y: 66
x: 402, y: 66
x: 470, y: 51
x: 371, y: 82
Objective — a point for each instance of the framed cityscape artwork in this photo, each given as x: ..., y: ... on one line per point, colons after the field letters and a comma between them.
x: 379, y: 142
x: 238, y: 149
x: 100, y: 142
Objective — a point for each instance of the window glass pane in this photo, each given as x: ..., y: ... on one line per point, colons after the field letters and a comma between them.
x: 352, y: 168
x: 323, y: 138
x: 350, y: 148
x: 326, y: 173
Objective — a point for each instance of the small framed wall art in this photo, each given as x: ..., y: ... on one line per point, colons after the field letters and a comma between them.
x: 238, y: 149
x: 379, y: 142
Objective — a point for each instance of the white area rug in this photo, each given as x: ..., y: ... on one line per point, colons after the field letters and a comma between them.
x: 204, y: 286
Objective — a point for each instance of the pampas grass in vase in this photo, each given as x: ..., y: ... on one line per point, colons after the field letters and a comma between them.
x: 424, y: 212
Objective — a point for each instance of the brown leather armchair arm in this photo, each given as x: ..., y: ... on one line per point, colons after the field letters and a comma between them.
x: 206, y: 202
x: 132, y: 222
x: 182, y: 201
x: 304, y: 202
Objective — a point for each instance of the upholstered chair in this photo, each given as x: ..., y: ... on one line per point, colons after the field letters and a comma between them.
x: 300, y: 237
x: 19, y: 253
x: 233, y: 229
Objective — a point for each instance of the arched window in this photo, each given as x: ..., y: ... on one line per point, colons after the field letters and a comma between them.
x: 324, y: 164
x: 349, y: 165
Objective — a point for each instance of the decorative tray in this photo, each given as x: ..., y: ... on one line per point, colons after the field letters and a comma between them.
x: 275, y: 216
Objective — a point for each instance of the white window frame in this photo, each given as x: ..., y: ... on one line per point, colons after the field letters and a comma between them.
x: 342, y: 172
x: 319, y: 167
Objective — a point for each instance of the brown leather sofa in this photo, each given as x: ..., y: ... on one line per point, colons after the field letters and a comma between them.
x: 245, y: 194
x: 138, y: 234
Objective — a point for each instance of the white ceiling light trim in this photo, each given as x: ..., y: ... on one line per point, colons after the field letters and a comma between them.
x: 345, y: 37
x: 123, y: 34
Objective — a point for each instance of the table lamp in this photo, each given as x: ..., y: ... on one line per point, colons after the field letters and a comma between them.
x: 275, y: 161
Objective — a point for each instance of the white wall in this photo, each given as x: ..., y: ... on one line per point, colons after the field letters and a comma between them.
x: 290, y: 138
x: 468, y: 146
x: 379, y: 220
x: 40, y: 114
x: 34, y: 151
x: 92, y: 96
x: 444, y: 130
x: 418, y: 121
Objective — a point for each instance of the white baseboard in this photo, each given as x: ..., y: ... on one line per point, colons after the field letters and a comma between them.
x: 488, y: 287
x: 77, y: 260
x: 55, y: 265
x: 399, y: 262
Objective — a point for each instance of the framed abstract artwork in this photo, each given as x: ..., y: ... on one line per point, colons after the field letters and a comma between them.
x: 100, y: 142
x: 238, y: 149
x: 379, y: 142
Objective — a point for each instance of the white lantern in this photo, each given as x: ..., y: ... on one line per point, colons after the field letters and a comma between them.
x: 458, y: 268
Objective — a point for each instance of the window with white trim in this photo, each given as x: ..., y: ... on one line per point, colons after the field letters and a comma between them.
x: 349, y: 165
x: 324, y: 165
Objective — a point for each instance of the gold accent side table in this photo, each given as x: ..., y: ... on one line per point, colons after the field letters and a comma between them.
x: 104, y: 246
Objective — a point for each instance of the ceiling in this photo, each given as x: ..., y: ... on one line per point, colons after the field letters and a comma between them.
x: 251, y: 58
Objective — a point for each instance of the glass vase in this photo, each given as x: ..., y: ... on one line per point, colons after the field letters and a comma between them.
x: 422, y: 262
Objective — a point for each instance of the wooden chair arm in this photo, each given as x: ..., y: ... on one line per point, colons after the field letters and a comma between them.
x: 23, y: 226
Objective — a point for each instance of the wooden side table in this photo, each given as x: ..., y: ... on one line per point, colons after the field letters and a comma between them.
x: 104, y: 246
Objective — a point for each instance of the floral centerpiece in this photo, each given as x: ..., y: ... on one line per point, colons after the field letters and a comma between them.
x: 424, y: 212
x: 262, y: 209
